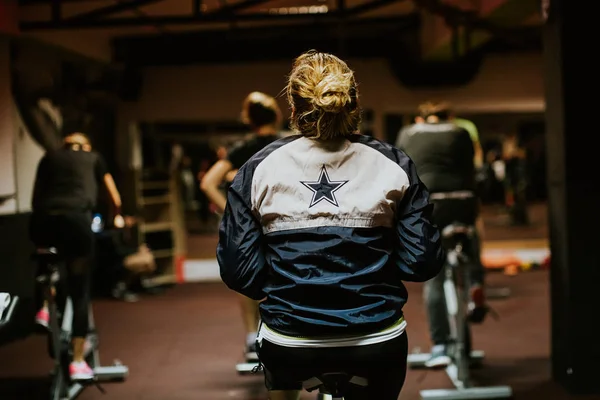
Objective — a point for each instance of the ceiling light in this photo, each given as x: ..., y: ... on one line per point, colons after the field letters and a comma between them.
x: 299, y: 10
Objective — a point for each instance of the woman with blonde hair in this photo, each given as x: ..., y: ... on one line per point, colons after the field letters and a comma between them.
x: 261, y: 113
x: 325, y: 226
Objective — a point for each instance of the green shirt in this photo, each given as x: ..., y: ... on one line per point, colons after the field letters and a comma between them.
x: 469, y: 126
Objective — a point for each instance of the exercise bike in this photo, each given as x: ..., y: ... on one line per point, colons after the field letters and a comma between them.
x: 250, y: 366
x: 332, y: 385
x: 456, y: 291
x: 8, y: 309
x: 60, y: 336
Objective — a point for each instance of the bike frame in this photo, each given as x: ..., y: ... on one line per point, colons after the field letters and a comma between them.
x: 456, y: 291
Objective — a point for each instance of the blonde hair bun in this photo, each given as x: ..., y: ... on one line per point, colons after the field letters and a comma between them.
x: 332, y: 94
x: 324, y: 98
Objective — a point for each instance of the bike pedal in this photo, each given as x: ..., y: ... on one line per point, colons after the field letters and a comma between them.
x: 257, y: 369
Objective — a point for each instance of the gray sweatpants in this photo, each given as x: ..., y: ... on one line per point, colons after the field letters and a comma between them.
x: 435, y: 301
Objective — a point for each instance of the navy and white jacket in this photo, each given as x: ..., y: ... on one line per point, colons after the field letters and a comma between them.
x: 325, y: 233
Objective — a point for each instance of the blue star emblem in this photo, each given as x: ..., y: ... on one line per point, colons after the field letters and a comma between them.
x: 323, y: 188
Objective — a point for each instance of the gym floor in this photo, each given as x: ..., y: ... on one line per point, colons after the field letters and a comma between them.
x: 184, y: 344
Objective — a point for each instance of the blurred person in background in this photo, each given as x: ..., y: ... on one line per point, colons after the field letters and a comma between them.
x: 444, y: 156
x: 515, y: 160
x: 494, y: 185
x: 478, y: 158
x: 480, y: 175
x: 203, y: 202
x: 64, y: 196
x: 262, y: 115
x: 188, y: 183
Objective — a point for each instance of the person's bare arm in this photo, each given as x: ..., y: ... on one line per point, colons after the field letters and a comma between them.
x: 230, y: 175
x: 109, y: 182
x: 211, y: 181
x: 112, y: 191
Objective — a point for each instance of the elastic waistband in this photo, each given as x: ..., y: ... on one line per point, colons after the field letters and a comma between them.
x: 392, y: 332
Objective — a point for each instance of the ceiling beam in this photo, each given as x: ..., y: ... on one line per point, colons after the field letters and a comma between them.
x: 369, y: 6
x: 368, y: 37
x: 50, y: 2
x: 224, y: 14
x: 109, y: 10
x: 169, y: 20
x: 364, y: 27
x: 458, y: 31
x: 239, y: 6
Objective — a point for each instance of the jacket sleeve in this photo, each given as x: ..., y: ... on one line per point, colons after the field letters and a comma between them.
x: 240, y: 250
x: 420, y: 255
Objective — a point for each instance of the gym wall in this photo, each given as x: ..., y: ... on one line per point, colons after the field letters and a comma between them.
x: 7, y: 170
x: 18, y: 158
x: 214, y: 92
x: 19, y: 152
x: 35, y: 102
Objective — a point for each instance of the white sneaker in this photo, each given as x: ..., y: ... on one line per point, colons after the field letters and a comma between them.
x: 438, y: 357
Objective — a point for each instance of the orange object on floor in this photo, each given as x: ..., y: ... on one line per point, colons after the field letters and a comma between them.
x: 500, y: 261
x: 511, y: 270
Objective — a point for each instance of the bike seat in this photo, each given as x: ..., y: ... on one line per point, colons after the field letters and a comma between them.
x: 457, y: 232
x: 333, y: 383
x: 47, y: 255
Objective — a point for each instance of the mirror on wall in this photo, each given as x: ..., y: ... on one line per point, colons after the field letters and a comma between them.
x: 188, y: 149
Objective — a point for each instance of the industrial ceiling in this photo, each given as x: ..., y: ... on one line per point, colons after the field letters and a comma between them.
x: 159, y: 32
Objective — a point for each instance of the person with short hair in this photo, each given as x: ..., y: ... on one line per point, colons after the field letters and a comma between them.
x: 325, y: 225
x: 444, y: 156
x: 64, y: 196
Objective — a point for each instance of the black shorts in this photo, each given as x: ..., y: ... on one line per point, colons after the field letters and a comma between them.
x: 450, y: 211
x: 383, y: 364
x: 70, y: 233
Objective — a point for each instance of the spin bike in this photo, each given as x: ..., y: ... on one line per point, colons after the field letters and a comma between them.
x: 456, y: 291
x: 251, y: 366
x: 7, y: 310
x: 60, y: 336
x: 330, y: 385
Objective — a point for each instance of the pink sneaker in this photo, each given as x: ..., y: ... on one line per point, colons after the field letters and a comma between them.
x: 80, y: 371
x: 42, y: 317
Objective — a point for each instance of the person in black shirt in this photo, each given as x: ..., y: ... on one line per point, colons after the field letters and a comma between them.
x: 64, y: 196
x: 262, y: 114
x: 443, y: 154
